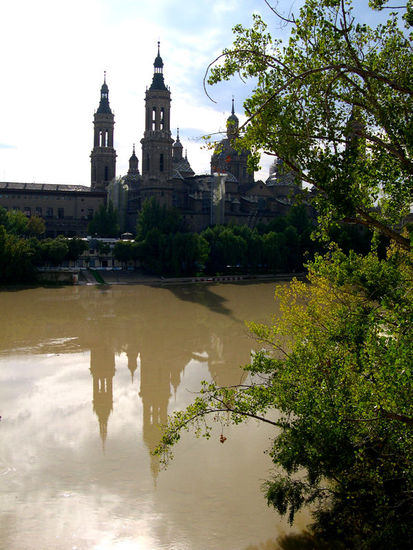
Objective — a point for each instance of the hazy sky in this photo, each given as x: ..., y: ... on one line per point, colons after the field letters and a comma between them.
x: 54, y: 54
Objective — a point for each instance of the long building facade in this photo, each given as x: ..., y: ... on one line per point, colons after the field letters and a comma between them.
x: 66, y: 209
x: 228, y: 194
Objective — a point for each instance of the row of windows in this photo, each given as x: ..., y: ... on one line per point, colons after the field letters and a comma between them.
x: 161, y: 120
x: 104, y: 138
x: 48, y: 212
x: 37, y: 197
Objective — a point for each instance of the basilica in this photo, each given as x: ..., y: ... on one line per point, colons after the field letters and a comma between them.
x: 228, y: 194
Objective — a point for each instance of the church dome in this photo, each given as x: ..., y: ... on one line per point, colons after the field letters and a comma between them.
x: 177, y: 149
x: 177, y: 144
x: 133, y: 163
x: 133, y: 156
x: 233, y: 118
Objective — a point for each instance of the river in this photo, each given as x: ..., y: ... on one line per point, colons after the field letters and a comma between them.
x: 86, y: 375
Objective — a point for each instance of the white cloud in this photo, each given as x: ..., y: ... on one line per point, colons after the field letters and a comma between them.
x: 224, y: 6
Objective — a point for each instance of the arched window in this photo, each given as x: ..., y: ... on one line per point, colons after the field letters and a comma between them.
x: 162, y: 118
x: 161, y: 162
x: 106, y: 173
x: 154, y: 118
x: 103, y: 138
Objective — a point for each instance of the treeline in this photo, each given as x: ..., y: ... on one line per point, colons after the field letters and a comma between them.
x: 22, y: 250
x: 163, y: 246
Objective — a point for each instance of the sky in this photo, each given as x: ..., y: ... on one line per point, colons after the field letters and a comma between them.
x: 53, y: 58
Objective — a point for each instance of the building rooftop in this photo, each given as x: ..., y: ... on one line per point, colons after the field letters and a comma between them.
x: 18, y: 186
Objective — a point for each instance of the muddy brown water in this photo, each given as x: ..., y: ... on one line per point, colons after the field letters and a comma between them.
x: 86, y: 375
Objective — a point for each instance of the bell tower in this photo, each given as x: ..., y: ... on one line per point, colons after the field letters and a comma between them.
x: 103, y: 156
x: 157, y: 140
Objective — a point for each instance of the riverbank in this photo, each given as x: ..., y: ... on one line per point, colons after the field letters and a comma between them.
x: 115, y: 277
x: 66, y: 277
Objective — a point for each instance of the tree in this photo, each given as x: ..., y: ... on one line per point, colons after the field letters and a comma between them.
x: 76, y: 247
x: 155, y: 216
x: 274, y: 246
x: 125, y: 251
x: 17, y: 222
x: 36, y: 226
x: 105, y: 222
x: 16, y: 255
x: 227, y: 246
x: 253, y: 255
x: 154, y: 251
x: 335, y: 105
x: 189, y: 252
x: 54, y: 251
x: 3, y: 217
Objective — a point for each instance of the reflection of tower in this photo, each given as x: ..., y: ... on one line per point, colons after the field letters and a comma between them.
x: 102, y: 368
x: 155, y: 391
x: 133, y: 358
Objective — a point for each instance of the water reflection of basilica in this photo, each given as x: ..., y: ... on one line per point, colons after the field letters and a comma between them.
x: 160, y: 373
x: 160, y: 330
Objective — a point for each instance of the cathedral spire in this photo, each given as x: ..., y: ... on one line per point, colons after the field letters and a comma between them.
x: 158, y: 81
x: 177, y: 148
x: 232, y: 123
x: 133, y: 163
x: 104, y: 106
